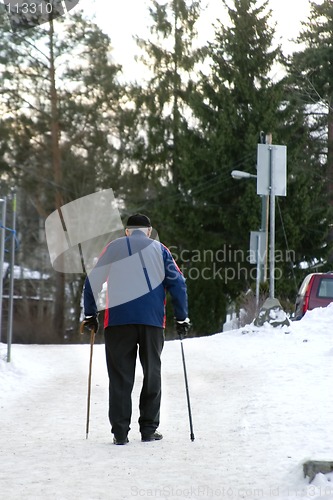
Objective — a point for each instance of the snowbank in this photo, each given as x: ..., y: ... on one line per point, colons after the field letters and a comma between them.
x: 261, y: 405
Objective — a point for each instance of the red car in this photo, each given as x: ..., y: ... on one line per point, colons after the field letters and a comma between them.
x: 315, y: 291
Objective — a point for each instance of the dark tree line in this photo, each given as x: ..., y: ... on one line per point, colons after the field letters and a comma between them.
x: 167, y: 144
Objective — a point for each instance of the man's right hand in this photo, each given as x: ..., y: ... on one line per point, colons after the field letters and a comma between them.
x: 90, y: 322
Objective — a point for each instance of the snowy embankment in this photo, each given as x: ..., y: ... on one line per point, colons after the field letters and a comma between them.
x: 262, y: 404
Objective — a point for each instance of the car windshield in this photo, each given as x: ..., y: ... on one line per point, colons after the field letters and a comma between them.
x: 326, y: 288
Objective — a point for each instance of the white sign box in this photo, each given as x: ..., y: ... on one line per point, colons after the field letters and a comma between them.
x: 257, y: 247
x: 271, y: 170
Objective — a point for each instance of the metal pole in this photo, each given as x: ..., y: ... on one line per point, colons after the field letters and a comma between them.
x: 2, y: 253
x: 264, y: 231
x: 187, y: 391
x: 11, y: 284
x: 272, y: 227
x: 92, y: 340
x: 259, y: 261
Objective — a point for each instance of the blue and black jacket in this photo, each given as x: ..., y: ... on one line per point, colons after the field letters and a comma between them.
x: 138, y: 271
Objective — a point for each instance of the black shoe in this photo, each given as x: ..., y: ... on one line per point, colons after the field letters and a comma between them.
x: 155, y: 436
x: 120, y: 440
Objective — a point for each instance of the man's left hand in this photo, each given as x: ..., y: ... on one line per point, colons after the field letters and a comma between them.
x: 183, y: 327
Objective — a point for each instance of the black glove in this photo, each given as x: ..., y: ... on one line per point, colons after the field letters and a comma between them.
x: 183, y: 327
x: 91, y: 322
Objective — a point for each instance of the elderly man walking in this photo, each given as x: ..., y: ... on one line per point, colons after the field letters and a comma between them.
x: 138, y: 271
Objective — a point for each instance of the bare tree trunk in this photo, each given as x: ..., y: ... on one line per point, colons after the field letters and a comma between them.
x: 329, y: 171
x: 59, y: 308
x: 176, y: 115
x: 330, y: 152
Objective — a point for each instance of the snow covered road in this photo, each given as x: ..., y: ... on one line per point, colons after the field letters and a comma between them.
x: 262, y: 404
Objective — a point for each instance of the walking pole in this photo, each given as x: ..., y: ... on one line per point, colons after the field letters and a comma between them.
x: 187, y: 391
x: 92, y: 340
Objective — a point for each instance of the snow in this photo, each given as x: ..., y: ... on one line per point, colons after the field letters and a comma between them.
x: 25, y: 273
x: 261, y: 401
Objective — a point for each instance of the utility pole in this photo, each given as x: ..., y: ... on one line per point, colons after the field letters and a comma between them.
x: 272, y: 181
x: 271, y: 226
x: 3, y: 208
x: 11, y: 284
x: 264, y: 139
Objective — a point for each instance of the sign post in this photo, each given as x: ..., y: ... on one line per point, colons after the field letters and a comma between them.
x: 272, y: 181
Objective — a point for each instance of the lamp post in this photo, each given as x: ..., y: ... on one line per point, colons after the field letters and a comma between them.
x: 239, y: 174
x: 271, y: 182
x: 3, y: 205
x: 257, y: 241
x: 271, y: 227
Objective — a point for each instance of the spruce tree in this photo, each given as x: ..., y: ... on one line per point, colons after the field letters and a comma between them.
x: 311, y: 82
x: 162, y: 102
x: 60, y: 87
x: 235, y: 101
x: 164, y: 119
x: 303, y: 215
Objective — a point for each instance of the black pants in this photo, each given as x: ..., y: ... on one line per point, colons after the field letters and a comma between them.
x: 121, y: 345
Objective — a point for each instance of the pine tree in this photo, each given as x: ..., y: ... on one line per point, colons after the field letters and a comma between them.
x: 303, y: 215
x: 310, y: 72
x: 163, y: 118
x: 171, y: 57
x: 227, y: 109
x: 60, y: 85
x: 235, y: 101
x: 239, y: 98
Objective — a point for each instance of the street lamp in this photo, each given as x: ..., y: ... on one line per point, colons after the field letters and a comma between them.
x: 238, y: 174
x: 271, y: 182
x: 260, y: 259
x: 3, y: 205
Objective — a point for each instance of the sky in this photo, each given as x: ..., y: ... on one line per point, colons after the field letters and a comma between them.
x: 126, y: 18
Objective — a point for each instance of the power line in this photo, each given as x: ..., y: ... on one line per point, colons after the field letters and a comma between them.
x: 287, y: 245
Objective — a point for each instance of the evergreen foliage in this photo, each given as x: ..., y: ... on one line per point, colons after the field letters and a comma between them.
x: 167, y: 145
x: 310, y: 83
x: 62, y: 104
x: 232, y: 104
